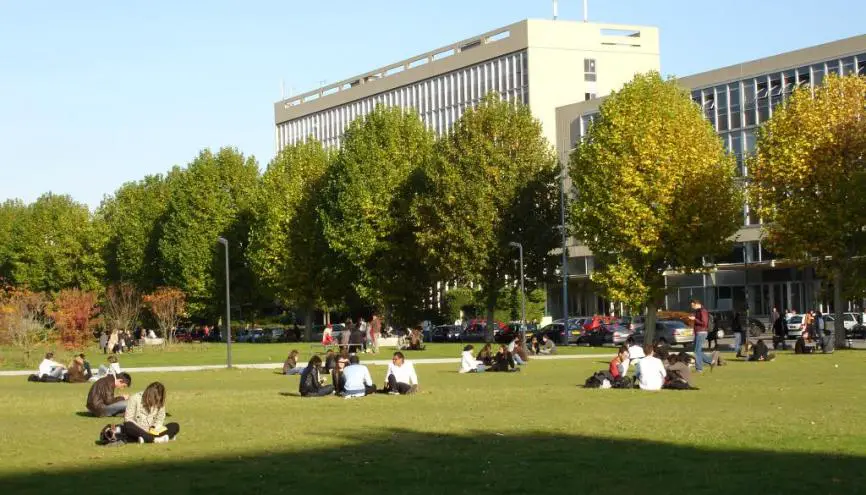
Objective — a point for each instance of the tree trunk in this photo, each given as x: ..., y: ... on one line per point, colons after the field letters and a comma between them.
x: 387, y: 323
x: 839, y: 325
x: 308, y: 323
x: 491, y: 308
x: 649, y: 327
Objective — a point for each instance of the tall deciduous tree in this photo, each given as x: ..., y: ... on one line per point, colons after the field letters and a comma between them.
x: 288, y: 251
x: 11, y: 211
x: 122, y: 306
x: 167, y: 305
x: 655, y: 190
x: 134, y: 216
x: 808, y: 177
x: 55, y: 245
x: 492, y: 183
x: 213, y: 197
x: 366, y: 209
x: 76, y: 314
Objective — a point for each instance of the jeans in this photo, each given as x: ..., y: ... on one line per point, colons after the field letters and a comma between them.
x: 114, y: 409
x: 700, y: 357
x: 738, y: 341
x: 518, y: 360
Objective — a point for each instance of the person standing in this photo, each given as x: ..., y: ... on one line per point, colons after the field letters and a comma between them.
x: 701, y: 320
x: 101, y: 400
x: 774, y: 315
x: 374, y: 333
x: 737, y: 330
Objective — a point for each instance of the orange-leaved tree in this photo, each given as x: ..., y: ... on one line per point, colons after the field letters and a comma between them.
x: 167, y: 305
x: 76, y: 314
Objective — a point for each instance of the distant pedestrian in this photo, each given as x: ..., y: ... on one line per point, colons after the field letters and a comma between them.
x: 701, y: 320
x: 375, y: 332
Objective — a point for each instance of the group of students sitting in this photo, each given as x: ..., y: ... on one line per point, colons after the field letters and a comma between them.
x: 350, y: 378
x: 78, y: 371
x: 655, y: 369
x: 143, y: 413
x: 506, y: 359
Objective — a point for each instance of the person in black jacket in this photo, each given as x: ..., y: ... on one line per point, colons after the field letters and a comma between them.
x: 311, y: 385
x: 503, y: 360
x: 780, y: 331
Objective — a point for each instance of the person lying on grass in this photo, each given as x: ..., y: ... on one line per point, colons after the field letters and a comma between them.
x: 290, y: 366
x: 650, y: 372
x: 101, y: 400
x: 503, y: 360
x: 468, y: 363
x: 357, y: 379
x: 145, y: 415
x: 400, y: 377
x: 311, y: 384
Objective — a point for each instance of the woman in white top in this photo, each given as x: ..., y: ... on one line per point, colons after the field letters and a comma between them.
x: 145, y: 414
x: 400, y: 377
x: 468, y: 363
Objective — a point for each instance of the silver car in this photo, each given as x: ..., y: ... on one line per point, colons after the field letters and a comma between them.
x: 670, y: 332
x: 795, y: 326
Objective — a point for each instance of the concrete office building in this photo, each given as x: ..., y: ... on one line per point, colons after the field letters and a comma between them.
x: 543, y: 63
x: 736, y: 100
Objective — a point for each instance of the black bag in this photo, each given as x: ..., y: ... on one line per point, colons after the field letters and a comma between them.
x: 33, y: 378
x: 623, y: 382
x: 594, y: 381
x: 111, y: 434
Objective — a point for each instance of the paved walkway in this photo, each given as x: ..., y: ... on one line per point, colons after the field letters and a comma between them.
x: 268, y: 366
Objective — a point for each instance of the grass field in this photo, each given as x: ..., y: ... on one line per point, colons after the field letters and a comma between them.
x: 790, y: 426
x: 209, y: 353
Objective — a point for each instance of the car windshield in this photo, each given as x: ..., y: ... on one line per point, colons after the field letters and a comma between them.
x: 796, y: 319
x: 674, y: 324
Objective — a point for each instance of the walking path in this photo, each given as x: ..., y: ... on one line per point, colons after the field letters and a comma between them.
x: 268, y: 366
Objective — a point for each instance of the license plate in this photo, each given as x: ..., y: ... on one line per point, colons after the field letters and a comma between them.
x: 574, y: 332
x: 688, y: 333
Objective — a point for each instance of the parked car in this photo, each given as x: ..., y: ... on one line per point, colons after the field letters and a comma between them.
x: 608, y: 333
x: 722, y: 324
x: 446, y: 333
x: 851, y: 320
x: 669, y: 332
x: 858, y: 331
x: 505, y: 335
x: 795, y: 326
x: 183, y: 335
x: 243, y: 336
x: 476, y: 331
x: 554, y: 332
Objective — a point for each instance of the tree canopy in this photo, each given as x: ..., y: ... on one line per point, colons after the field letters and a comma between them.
x: 655, y: 190
x: 492, y: 183
x: 807, y: 178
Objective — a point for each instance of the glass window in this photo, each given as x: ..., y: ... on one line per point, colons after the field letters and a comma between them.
x: 749, y: 142
x: 722, y: 107
x: 763, y: 96
x: 710, y: 106
x: 789, y: 82
x: 833, y: 67
x: 848, y: 66
x: 749, y: 102
x: 817, y: 74
x: 803, y: 77
x: 861, y: 64
x: 775, y: 90
x: 737, y: 150
x: 734, y: 104
x: 696, y: 97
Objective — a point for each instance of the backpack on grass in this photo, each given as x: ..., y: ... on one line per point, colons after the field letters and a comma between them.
x: 111, y: 435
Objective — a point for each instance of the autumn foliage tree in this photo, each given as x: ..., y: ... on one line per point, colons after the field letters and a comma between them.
x: 22, y: 320
x: 167, y: 305
x: 76, y: 315
x: 655, y: 191
x: 807, y: 180
x: 122, y: 306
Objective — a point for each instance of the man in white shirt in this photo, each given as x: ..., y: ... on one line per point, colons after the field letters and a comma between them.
x: 357, y: 379
x: 400, y: 377
x: 50, y: 370
x: 468, y: 363
x: 650, y: 371
x: 635, y: 352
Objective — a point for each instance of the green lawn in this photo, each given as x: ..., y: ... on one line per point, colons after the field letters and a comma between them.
x: 204, y: 354
x: 790, y: 426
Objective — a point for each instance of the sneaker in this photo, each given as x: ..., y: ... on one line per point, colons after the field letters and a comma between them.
x: 140, y: 440
x: 393, y: 392
x: 163, y: 439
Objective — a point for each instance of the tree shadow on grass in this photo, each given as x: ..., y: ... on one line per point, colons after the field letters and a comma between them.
x: 403, y: 461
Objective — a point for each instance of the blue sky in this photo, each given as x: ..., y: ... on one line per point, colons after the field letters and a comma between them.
x: 97, y: 93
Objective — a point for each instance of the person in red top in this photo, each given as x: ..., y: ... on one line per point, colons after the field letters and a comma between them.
x: 701, y: 322
x: 618, y: 366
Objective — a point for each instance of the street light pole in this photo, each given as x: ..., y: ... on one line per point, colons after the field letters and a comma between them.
x: 225, y: 243
x: 519, y: 246
x: 564, y: 253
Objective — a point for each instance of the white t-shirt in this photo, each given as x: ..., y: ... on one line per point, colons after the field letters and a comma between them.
x: 403, y: 374
x: 468, y: 362
x: 635, y: 353
x: 357, y: 376
x: 46, y: 366
x: 651, y: 373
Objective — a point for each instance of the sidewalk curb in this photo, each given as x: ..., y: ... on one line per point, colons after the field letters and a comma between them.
x: 268, y: 366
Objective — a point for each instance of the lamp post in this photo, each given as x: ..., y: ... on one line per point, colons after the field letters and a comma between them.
x: 225, y: 243
x: 519, y: 246
x: 564, y: 252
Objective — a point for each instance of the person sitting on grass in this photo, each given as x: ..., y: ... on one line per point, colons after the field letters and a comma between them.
x: 78, y: 372
x: 330, y: 361
x: 145, y: 414
x: 468, y: 363
x: 101, y: 400
x: 650, y: 372
x: 50, y: 370
x: 503, y: 360
x: 520, y: 354
x: 400, y: 377
x: 357, y: 380
x: 534, y: 348
x: 547, y: 347
x: 512, y: 349
x: 311, y: 384
x: 290, y: 367
x: 327, y: 336
x: 485, y: 355
x: 760, y: 352
x: 635, y: 352
x: 619, y: 365
x: 337, y: 378
x: 416, y: 340
x: 679, y: 375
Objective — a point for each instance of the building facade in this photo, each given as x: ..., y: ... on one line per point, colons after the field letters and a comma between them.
x: 542, y: 63
x: 736, y: 100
